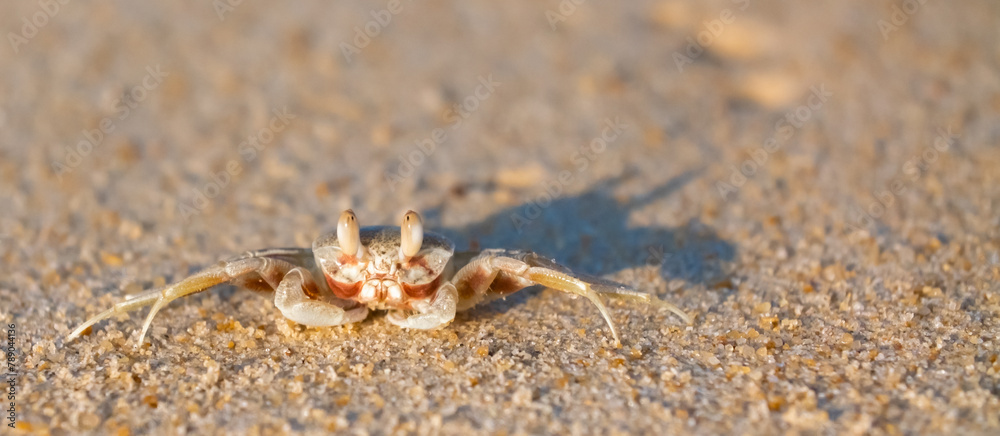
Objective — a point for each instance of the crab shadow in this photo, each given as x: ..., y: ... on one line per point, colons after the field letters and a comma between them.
x: 591, y: 234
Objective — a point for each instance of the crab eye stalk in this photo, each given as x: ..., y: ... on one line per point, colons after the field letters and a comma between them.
x: 349, y: 233
x: 412, y: 235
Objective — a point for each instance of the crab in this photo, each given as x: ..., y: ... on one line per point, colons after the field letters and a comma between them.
x: 414, y: 275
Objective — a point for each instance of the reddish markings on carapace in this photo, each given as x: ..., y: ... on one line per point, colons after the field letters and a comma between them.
x: 343, y: 290
x: 421, y: 291
x: 420, y: 261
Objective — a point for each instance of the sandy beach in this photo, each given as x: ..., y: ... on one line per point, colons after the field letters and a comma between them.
x: 817, y: 185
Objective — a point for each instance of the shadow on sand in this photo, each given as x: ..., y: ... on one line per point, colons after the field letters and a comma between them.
x: 589, y: 233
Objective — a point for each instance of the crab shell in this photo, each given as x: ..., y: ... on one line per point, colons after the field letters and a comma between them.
x: 378, y: 275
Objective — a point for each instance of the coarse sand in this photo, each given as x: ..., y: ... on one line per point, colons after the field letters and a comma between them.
x: 816, y: 183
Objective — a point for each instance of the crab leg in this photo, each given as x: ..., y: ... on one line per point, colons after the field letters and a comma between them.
x: 254, y: 269
x: 563, y: 282
x: 623, y: 293
x: 496, y: 273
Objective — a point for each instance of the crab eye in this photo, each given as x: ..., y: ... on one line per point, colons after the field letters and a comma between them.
x: 412, y: 235
x: 348, y: 233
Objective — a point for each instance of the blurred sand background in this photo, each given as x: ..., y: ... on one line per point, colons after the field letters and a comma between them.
x: 816, y: 183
